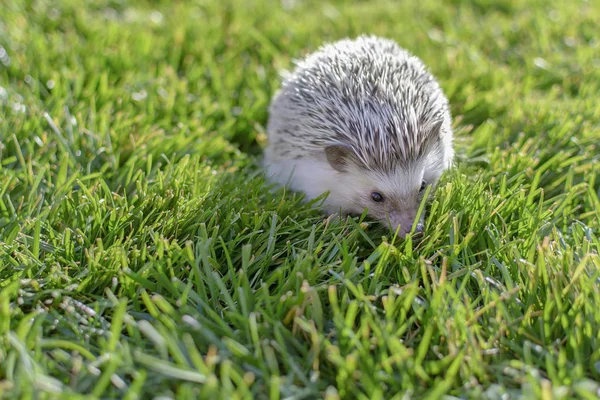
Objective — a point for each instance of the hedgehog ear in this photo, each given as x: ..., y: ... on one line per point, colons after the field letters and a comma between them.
x: 430, y: 137
x: 436, y: 128
x: 339, y: 156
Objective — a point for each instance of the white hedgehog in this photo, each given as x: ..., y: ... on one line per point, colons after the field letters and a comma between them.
x: 365, y: 121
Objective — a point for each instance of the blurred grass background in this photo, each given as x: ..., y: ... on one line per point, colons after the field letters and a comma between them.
x: 142, y: 255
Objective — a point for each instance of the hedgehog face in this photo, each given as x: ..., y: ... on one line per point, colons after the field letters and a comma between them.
x: 391, y: 197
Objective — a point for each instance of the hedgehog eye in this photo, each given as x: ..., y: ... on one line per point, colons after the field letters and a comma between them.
x: 377, y: 197
x: 423, y: 186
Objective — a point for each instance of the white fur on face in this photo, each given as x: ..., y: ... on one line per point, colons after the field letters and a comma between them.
x: 401, y: 196
x: 350, y: 191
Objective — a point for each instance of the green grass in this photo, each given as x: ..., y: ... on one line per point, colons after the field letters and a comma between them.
x: 142, y: 254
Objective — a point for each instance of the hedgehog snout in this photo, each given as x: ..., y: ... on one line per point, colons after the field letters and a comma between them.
x: 404, y: 220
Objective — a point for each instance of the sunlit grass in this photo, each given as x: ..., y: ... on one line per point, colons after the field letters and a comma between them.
x: 142, y: 254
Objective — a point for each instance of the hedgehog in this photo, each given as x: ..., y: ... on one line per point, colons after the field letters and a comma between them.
x: 363, y: 122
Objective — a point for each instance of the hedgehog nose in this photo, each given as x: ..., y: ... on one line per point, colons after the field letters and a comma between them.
x: 419, y: 228
x: 403, y: 230
x: 403, y: 222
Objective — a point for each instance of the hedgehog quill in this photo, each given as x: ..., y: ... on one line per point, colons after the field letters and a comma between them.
x: 363, y: 120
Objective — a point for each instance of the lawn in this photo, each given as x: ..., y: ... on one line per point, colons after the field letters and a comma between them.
x: 142, y: 253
